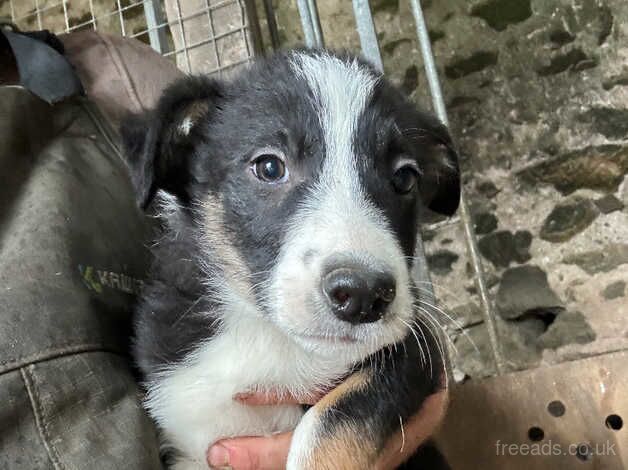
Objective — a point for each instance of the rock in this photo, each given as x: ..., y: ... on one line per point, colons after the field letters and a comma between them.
x: 608, y: 204
x: 484, y: 223
x: 610, y: 122
x: 568, y: 218
x: 604, y: 260
x: 481, y: 205
x: 466, y: 315
x: 491, y: 279
x: 615, y: 80
x: 524, y: 290
x: 560, y: 37
x: 472, y: 362
x: 436, y: 35
x: 441, y: 261
x: 597, y: 167
x: 530, y: 329
x: 518, y: 344
x: 569, y: 327
x: 614, y: 290
x: 457, y: 101
x: 410, y: 79
x: 575, y: 60
x: 503, y: 247
x: 427, y: 234
x: 606, y: 20
x: 487, y: 188
x: 458, y: 375
x: 391, y: 6
x: 391, y: 46
x: 462, y: 67
x: 499, y: 14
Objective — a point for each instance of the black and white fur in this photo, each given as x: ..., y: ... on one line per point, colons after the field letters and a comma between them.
x: 234, y: 302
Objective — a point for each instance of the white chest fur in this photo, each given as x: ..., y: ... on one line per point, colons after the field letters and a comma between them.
x: 193, y: 403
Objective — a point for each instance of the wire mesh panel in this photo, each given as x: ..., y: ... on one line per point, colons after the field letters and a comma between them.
x: 202, y: 36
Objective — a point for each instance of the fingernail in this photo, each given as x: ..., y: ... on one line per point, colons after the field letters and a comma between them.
x: 218, y: 456
x: 243, y: 396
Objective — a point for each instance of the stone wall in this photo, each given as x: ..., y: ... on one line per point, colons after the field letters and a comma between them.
x: 537, y: 93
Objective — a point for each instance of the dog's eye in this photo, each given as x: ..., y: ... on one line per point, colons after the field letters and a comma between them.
x: 270, y: 168
x: 405, y: 179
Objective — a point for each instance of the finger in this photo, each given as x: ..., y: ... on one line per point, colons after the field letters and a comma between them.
x: 265, y: 398
x: 414, y: 432
x: 274, y: 397
x: 251, y: 453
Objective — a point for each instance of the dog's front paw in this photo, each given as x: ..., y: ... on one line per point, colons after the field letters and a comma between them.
x: 322, y: 442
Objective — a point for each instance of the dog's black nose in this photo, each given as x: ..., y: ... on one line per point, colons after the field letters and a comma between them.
x: 358, y: 295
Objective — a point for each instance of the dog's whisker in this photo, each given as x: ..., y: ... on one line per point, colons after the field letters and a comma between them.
x: 459, y: 327
x: 425, y: 303
x: 421, y: 352
x: 427, y: 348
x: 464, y: 333
x: 436, y: 286
x: 433, y: 324
x: 439, y: 347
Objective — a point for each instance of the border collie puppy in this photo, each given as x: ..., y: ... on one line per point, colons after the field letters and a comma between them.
x: 289, y: 200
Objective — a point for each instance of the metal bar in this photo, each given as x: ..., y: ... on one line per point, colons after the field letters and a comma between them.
x: 65, y: 15
x: 428, y: 62
x: 38, y: 13
x: 271, y: 20
x: 250, y: 22
x: 229, y: 66
x: 81, y: 25
x: 176, y: 20
x: 465, y: 215
x: 202, y: 42
x: 91, y: 11
x: 12, y: 8
x: 310, y: 23
x: 316, y: 23
x: 185, y: 46
x: 212, y: 34
x: 156, y: 36
x: 366, y: 30
x: 252, y: 25
x: 17, y: 19
x: 306, y: 23
x: 129, y: 6
x: 122, y: 28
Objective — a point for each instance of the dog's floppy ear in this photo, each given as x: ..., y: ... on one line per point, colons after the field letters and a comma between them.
x: 159, y: 143
x: 440, y: 179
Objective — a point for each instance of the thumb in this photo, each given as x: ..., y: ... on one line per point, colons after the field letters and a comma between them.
x: 251, y: 453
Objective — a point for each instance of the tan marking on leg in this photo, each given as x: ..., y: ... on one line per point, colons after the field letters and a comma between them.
x: 355, y: 381
x: 349, y: 447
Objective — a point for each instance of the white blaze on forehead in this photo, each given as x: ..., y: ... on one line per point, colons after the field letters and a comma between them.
x: 341, y: 90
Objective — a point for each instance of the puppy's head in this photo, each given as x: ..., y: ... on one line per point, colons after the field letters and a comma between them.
x: 301, y: 182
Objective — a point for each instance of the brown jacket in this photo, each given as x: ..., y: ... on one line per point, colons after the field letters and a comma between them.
x: 72, y: 257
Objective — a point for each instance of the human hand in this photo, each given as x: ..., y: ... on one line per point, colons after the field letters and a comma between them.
x: 271, y: 453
